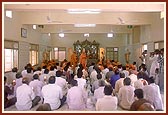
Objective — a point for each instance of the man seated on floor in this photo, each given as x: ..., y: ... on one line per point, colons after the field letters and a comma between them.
x: 108, y: 102
x: 7, y: 91
x: 76, y: 97
x: 52, y: 94
x: 140, y: 102
x: 126, y: 94
x: 26, y: 98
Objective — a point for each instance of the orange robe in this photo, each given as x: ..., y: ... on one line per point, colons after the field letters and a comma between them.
x: 83, y: 59
x: 74, y: 60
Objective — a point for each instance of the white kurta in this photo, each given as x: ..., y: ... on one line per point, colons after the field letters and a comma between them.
x: 24, y: 72
x: 81, y: 83
x: 133, y: 78
x: 44, y: 78
x: 126, y: 96
x: 76, y: 98
x: 52, y: 73
x: 126, y: 73
x: 154, y: 65
x: 18, y: 83
x: 98, y: 93
x: 107, y: 103
x: 62, y: 83
x: 93, y: 76
x: 152, y: 94
x: 52, y: 94
x: 139, y: 84
x: 37, y: 86
x: 24, y: 95
x: 104, y: 71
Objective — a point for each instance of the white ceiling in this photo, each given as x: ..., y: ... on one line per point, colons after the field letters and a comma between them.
x: 110, y: 19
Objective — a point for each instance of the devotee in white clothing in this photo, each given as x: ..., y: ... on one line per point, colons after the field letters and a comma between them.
x: 119, y: 83
x: 105, y: 70
x: 18, y: 82
x: 61, y: 82
x: 98, y: 93
x: 108, y: 102
x: 152, y: 94
x: 76, y: 97
x: 133, y: 77
x: 36, y: 85
x: 29, y: 74
x: 140, y: 83
x: 126, y: 72
x: 52, y: 94
x: 52, y: 72
x: 24, y: 72
x: 26, y: 98
x: 154, y: 62
x: 126, y: 94
x: 95, y: 84
x: 38, y: 71
x: 90, y: 69
x: 80, y: 80
x: 44, y: 77
x: 93, y: 75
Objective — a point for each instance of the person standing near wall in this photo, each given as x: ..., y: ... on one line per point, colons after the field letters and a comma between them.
x: 161, y: 70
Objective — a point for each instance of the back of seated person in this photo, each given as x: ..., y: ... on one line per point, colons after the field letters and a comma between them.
x: 146, y: 107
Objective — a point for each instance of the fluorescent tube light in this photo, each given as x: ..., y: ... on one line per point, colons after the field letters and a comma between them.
x: 110, y: 35
x: 84, y: 11
x: 84, y: 25
x: 86, y: 35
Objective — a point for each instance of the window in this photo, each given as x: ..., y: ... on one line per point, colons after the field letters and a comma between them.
x: 112, y: 53
x: 33, y: 54
x: 144, y: 47
x: 60, y: 53
x: 159, y: 45
x: 10, y: 55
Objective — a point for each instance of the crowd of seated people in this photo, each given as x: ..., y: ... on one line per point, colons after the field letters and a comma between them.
x: 108, y: 87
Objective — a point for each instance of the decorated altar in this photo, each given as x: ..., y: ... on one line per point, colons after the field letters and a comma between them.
x: 91, y: 49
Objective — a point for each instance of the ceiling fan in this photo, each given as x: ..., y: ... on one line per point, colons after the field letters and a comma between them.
x: 121, y: 21
x: 64, y: 31
x: 61, y: 33
x: 52, y: 21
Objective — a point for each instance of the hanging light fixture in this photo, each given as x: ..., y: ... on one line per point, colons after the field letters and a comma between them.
x: 110, y: 35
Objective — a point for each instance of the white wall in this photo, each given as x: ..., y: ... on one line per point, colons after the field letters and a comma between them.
x: 117, y: 41
x: 148, y: 34
x: 12, y: 31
